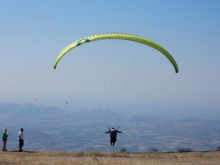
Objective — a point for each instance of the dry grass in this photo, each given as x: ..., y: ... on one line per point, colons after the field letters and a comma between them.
x: 104, y: 158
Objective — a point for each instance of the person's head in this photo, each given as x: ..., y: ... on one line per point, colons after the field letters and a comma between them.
x: 22, y: 129
x: 5, y: 129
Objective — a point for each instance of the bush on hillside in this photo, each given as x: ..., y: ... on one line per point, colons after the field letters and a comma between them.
x: 123, y: 150
x: 185, y: 150
x: 153, y: 150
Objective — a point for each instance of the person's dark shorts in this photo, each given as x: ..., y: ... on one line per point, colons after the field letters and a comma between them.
x: 21, y: 143
x: 113, y: 139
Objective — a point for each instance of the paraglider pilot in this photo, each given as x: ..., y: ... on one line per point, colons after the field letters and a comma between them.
x: 113, y: 135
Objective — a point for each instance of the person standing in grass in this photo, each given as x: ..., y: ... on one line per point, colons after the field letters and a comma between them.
x: 4, y: 139
x: 21, y: 139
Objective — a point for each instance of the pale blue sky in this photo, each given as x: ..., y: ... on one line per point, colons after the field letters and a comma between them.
x: 32, y: 33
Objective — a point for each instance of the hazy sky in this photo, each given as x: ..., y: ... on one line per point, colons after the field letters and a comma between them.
x: 111, y: 74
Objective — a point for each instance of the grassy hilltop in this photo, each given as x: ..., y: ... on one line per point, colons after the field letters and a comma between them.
x: 108, y: 158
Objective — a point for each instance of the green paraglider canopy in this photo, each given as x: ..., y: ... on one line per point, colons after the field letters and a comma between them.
x: 120, y: 36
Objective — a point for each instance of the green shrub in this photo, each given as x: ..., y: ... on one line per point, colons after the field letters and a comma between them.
x: 123, y: 150
x: 185, y: 150
x: 153, y: 150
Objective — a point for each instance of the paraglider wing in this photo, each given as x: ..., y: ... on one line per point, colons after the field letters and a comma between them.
x: 121, y: 36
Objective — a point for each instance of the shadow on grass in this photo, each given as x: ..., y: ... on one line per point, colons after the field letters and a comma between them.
x: 22, y: 151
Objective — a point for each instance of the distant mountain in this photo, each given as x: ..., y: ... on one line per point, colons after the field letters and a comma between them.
x: 30, y: 111
x: 84, y: 130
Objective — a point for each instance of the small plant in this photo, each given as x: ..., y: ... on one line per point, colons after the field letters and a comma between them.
x: 153, y: 150
x: 185, y: 150
x: 123, y: 150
